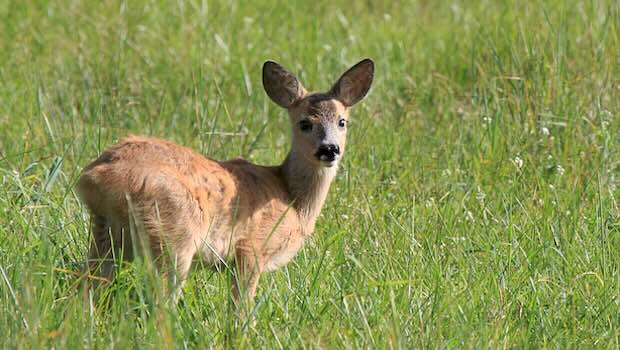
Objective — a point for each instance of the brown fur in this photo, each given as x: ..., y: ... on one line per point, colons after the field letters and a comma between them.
x: 184, y: 206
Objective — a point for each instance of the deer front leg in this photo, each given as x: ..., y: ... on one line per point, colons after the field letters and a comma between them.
x: 249, y: 267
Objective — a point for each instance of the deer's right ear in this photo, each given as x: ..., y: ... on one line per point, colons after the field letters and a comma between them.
x: 281, y: 85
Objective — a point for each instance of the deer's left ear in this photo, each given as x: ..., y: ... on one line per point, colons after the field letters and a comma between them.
x: 354, y: 84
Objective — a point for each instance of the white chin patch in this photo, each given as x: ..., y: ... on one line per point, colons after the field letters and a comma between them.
x: 328, y: 163
x: 324, y: 158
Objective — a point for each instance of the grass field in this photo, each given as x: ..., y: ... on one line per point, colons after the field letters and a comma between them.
x: 477, y: 205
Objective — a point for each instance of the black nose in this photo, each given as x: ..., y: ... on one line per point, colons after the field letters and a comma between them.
x: 328, y: 152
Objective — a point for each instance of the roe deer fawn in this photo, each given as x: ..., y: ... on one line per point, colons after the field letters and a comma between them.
x: 187, y: 206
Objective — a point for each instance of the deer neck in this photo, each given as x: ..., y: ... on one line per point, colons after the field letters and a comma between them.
x: 308, y: 185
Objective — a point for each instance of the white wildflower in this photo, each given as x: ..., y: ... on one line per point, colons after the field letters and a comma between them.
x: 429, y: 202
x: 604, y: 124
x: 518, y: 162
x: 560, y: 169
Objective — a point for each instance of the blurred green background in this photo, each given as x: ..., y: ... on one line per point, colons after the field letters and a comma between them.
x: 476, y: 206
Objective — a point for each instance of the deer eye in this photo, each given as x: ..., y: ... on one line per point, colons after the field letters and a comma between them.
x: 342, y: 123
x: 305, y: 125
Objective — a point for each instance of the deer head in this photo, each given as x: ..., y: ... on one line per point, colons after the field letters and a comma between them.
x: 319, y: 120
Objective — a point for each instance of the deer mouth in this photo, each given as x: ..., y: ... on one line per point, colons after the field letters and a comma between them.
x: 328, y: 164
x: 327, y: 159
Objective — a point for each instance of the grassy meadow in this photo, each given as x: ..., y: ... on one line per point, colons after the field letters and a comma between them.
x: 476, y: 207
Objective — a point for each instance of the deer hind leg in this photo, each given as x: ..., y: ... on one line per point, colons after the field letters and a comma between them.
x: 100, y: 256
x: 173, y: 265
x: 177, y: 274
x: 249, y: 268
x: 109, y: 243
x: 172, y: 253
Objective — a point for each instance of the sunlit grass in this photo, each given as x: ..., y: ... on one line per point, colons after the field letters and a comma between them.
x: 476, y: 206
